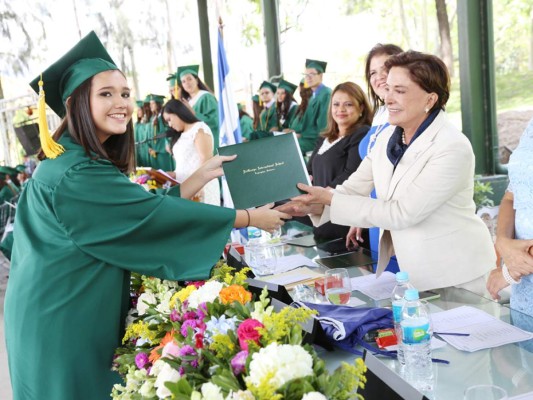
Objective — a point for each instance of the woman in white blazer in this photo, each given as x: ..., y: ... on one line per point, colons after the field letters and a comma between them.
x: 423, y: 173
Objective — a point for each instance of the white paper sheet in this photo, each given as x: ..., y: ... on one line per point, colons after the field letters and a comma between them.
x: 290, y: 277
x: 525, y: 396
x: 377, y: 289
x: 485, y: 330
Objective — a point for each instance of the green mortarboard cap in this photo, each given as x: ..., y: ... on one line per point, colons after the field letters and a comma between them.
x: 269, y: 85
x: 289, y: 87
x: 155, y: 97
x: 172, y: 79
x: 188, y: 69
x: 21, y: 168
x: 255, y: 98
x: 86, y: 59
x: 320, y: 66
x: 139, y: 103
x: 239, y: 106
x: 8, y: 170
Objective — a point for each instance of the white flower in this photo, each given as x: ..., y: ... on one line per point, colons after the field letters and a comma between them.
x: 144, y: 301
x: 283, y: 362
x: 164, y: 373
x: 241, y: 395
x: 210, y: 391
x: 163, y: 307
x: 205, y: 294
x: 147, y: 389
x: 314, y: 396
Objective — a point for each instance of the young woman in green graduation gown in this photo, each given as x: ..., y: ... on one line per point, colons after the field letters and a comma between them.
x: 159, y: 155
x: 200, y: 98
x: 82, y: 226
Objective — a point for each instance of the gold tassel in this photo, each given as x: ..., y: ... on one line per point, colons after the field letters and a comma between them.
x: 51, y: 148
x: 176, y: 89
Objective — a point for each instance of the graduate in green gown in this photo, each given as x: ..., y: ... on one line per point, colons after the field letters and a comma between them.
x: 140, y: 133
x: 158, y: 149
x: 285, y: 105
x: 314, y: 119
x: 305, y: 95
x: 7, y: 192
x: 201, y: 98
x: 268, y: 119
x: 81, y: 226
x: 246, y: 122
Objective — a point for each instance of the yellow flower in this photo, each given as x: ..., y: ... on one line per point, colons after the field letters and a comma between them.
x: 182, y: 295
x: 139, y: 330
x: 234, y: 293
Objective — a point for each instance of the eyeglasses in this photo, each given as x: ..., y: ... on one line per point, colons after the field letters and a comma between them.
x: 310, y: 75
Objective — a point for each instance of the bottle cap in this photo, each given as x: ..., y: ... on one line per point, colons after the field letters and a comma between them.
x: 411, y: 294
x: 402, y: 276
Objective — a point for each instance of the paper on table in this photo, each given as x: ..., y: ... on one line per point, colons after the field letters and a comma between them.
x: 485, y: 330
x: 524, y: 396
x: 297, y: 275
x: 376, y: 288
x: 286, y: 263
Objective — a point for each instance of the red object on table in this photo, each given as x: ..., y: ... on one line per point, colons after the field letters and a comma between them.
x: 237, y: 246
x: 319, y: 286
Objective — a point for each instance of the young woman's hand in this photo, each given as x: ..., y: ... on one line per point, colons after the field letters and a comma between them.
x: 264, y: 218
x: 353, y: 238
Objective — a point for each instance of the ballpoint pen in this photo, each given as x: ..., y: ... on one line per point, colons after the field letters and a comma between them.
x: 451, y: 334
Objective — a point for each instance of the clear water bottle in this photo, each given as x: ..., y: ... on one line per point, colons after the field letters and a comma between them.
x: 416, y: 342
x: 397, y: 300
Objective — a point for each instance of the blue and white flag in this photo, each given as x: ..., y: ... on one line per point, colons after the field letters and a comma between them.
x: 228, y: 113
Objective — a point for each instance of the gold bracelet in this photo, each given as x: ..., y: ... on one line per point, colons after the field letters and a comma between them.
x: 248, y: 214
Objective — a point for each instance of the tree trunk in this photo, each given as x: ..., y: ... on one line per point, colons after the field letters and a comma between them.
x: 170, y: 52
x: 446, y: 49
x: 134, y: 71
x: 531, y: 42
x: 405, y: 29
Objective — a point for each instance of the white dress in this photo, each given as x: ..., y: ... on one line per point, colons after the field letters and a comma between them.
x: 188, y: 160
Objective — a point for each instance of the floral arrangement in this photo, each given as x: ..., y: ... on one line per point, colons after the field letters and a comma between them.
x: 145, y: 180
x: 212, y: 340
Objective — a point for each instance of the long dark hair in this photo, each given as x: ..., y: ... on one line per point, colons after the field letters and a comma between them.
x: 184, y: 112
x: 283, y: 108
x: 378, y: 50
x: 357, y: 95
x: 257, y: 113
x: 119, y: 149
x: 305, y: 95
x: 184, y: 95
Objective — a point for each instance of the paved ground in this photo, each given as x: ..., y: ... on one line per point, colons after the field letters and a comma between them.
x: 5, y: 387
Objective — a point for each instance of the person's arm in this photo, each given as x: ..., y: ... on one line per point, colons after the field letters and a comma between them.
x: 264, y: 218
x: 515, y: 253
x: 203, y: 142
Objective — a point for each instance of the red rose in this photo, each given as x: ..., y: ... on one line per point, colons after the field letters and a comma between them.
x: 248, y: 331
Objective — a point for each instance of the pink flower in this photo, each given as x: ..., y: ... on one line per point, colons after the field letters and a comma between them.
x: 238, y: 363
x: 171, y: 349
x: 247, y: 331
x: 141, y: 360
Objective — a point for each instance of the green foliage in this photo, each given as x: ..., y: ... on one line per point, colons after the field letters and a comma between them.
x: 482, y: 190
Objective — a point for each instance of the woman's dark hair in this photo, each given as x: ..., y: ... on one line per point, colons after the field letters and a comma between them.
x: 119, y: 149
x: 427, y: 71
x: 242, y: 113
x: 378, y: 50
x: 283, y: 108
x: 305, y: 95
x: 257, y: 113
x: 357, y: 95
x: 139, y: 120
x: 184, y: 112
x: 147, y: 113
x: 184, y: 95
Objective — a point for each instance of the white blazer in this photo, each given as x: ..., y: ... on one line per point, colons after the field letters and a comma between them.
x: 425, y: 208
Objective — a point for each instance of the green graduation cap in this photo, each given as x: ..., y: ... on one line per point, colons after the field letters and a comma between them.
x: 155, y: 97
x: 255, y: 98
x: 21, y: 168
x: 171, y: 78
x: 86, y: 59
x: 188, y: 69
x: 8, y: 170
x: 289, y: 87
x: 320, y: 66
x: 269, y: 85
x: 139, y: 103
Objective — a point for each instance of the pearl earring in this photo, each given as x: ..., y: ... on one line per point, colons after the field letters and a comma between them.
x: 426, y: 110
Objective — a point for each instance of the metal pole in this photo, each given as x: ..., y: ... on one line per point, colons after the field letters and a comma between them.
x: 271, y: 22
x: 207, y: 62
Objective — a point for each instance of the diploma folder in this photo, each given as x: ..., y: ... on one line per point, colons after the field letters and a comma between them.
x: 265, y: 170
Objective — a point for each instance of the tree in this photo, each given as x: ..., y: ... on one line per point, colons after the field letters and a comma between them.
x: 446, y: 50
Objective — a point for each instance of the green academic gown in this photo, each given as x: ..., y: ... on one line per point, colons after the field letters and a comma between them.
x: 163, y: 159
x: 268, y: 119
x: 314, y: 119
x: 290, y: 116
x: 141, y: 146
x: 7, y: 193
x: 247, y: 126
x: 81, y: 227
x: 206, y: 110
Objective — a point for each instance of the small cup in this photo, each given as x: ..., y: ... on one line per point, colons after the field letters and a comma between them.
x: 485, y: 392
x: 338, y: 287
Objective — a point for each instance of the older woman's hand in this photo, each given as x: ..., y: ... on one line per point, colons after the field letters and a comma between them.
x: 315, y: 195
x: 516, y: 255
x: 299, y: 209
x: 353, y: 238
x: 496, y: 282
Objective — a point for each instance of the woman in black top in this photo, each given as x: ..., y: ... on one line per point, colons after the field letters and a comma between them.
x: 336, y: 155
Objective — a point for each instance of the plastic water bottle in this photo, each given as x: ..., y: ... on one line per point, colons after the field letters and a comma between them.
x: 397, y: 300
x: 416, y: 342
